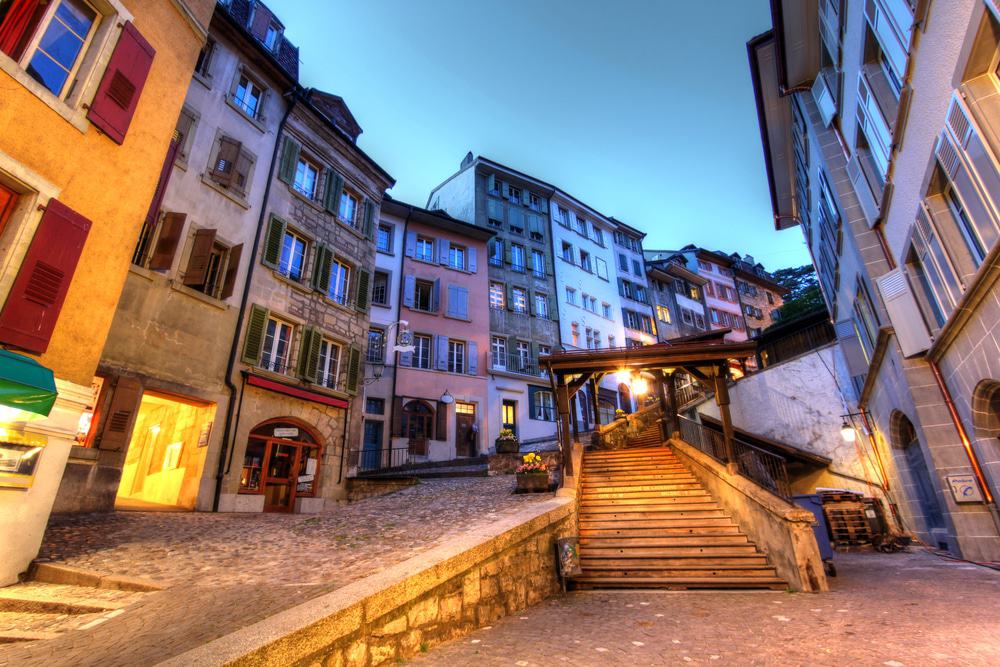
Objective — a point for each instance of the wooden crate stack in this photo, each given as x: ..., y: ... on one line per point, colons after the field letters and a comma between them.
x: 845, y: 515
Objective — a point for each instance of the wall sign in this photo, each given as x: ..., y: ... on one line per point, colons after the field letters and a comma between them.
x: 286, y: 432
x: 964, y: 489
x: 19, y: 456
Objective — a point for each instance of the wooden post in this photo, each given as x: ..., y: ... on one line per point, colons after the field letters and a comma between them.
x: 565, y: 442
x: 675, y: 418
x: 574, y: 411
x: 596, y: 404
x: 722, y: 400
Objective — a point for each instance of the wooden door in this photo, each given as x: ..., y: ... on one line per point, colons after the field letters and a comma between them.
x: 466, y: 437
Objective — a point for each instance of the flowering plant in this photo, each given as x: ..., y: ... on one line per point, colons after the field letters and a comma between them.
x: 619, y: 413
x: 507, y: 434
x: 532, y: 464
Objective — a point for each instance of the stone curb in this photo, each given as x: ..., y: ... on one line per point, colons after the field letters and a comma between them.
x: 303, y: 630
x: 52, y: 573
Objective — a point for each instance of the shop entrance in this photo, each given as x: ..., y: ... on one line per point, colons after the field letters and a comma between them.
x: 166, y: 453
x: 466, y: 436
x: 282, y: 464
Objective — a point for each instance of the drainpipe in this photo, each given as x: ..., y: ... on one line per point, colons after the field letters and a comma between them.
x: 227, y: 431
x: 977, y: 470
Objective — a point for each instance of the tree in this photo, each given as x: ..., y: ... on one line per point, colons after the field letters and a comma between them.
x: 803, y: 295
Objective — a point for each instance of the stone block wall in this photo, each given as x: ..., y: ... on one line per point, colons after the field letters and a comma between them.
x: 359, y: 489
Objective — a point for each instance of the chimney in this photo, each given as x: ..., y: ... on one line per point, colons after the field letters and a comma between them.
x: 468, y: 160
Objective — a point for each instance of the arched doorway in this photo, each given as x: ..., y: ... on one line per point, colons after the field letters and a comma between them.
x: 418, y: 425
x: 625, y: 397
x: 986, y: 426
x: 281, y: 463
x: 904, y: 438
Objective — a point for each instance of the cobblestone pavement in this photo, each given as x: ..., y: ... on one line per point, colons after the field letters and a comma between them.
x: 230, y: 570
x: 897, y: 610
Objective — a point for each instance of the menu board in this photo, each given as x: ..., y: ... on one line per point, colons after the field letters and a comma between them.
x: 18, y: 464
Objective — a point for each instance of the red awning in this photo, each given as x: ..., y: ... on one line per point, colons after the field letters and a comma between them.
x: 296, y: 392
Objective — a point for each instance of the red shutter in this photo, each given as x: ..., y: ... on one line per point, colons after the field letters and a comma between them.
x: 166, y: 245
x: 117, y: 96
x: 121, y: 415
x: 7, y: 201
x: 232, y: 268
x: 32, y: 308
x: 161, y: 185
x: 201, y: 255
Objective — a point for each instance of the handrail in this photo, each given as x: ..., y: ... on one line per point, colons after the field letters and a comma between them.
x: 767, y: 469
x: 379, y: 460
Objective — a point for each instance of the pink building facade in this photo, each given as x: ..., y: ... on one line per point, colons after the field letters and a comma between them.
x: 440, y: 402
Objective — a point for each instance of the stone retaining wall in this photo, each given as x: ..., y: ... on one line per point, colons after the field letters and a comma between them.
x: 506, y: 464
x: 440, y: 595
x: 359, y: 489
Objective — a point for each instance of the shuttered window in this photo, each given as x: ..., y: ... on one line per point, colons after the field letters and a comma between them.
x: 29, y: 315
x: 118, y: 94
x: 232, y: 166
x: 353, y: 370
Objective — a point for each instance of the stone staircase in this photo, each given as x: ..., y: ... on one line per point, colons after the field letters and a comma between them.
x: 648, y: 437
x: 647, y: 522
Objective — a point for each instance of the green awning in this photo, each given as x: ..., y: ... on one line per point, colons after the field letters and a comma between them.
x: 25, y: 384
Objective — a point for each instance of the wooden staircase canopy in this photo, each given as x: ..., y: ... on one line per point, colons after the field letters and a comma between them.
x: 691, y: 354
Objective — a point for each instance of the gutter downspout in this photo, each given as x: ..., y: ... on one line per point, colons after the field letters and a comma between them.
x: 231, y: 365
x: 966, y: 444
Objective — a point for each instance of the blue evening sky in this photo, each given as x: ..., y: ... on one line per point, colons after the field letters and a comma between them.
x: 643, y: 109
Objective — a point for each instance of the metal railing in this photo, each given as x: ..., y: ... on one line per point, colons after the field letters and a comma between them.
x: 515, y: 363
x: 766, y: 469
x: 379, y: 460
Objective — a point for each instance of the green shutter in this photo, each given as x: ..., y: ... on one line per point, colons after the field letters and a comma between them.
x: 272, y: 242
x: 353, y: 370
x: 369, y: 226
x: 363, y: 284
x: 334, y: 186
x: 289, y: 160
x: 253, y: 343
x: 321, y: 269
x: 309, y: 353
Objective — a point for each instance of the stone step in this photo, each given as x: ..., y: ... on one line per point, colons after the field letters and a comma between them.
x: 636, y: 485
x: 593, y: 551
x: 632, y: 561
x: 689, y: 497
x: 619, y: 531
x: 631, y: 454
x: 589, y: 479
x: 661, y: 510
x: 44, y: 598
x: 680, y: 570
x: 628, y: 542
x: 666, y: 490
x: 656, y: 524
x: 679, y: 583
x: 639, y: 469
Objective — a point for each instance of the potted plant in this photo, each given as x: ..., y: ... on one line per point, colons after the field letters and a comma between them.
x: 507, y: 442
x: 532, y: 475
x: 620, y: 414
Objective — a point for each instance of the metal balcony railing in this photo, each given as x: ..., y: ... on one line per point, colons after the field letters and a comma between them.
x: 515, y: 363
x: 380, y: 460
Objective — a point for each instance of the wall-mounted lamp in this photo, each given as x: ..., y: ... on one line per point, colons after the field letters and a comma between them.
x: 847, y: 432
x: 403, y: 344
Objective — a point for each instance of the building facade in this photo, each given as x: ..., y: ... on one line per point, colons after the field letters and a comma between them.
x: 759, y: 295
x: 677, y: 297
x: 99, y: 112
x: 159, y: 417
x: 895, y: 193
x: 722, y: 301
x: 521, y: 290
x: 630, y: 270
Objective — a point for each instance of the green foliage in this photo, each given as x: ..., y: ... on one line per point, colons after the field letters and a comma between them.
x: 803, y: 296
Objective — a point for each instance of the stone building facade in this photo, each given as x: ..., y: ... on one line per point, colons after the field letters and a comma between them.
x: 79, y: 159
x: 895, y: 193
x: 523, y: 312
x: 676, y: 296
x: 630, y: 270
x: 759, y: 295
x: 164, y: 363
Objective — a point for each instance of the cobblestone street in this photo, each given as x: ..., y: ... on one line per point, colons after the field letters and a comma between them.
x: 226, y: 571
x: 894, y: 610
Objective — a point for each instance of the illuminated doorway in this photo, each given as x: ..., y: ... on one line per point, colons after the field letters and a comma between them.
x: 282, y: 464
x: 166, y: 454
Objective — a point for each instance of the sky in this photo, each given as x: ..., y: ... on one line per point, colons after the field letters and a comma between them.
x: 642, y: 109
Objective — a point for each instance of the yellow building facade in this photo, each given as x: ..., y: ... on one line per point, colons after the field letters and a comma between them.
x: 90, y: 92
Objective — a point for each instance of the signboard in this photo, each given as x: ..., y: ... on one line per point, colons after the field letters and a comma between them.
x: 19, y: 455
x: 206, y: 432
x: 286, y: 432
x: 964, y: 489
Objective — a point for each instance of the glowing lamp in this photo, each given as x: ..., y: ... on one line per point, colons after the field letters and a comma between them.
x: 847, y: 432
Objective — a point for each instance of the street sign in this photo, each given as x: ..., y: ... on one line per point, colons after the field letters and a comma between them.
x: 964, y: 489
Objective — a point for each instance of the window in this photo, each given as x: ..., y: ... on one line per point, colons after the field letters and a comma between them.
x: 517, y: 257
x: 589, y: 337
x: 704, y: 266
x: 277, y: 346
x: 770, y: 298
x: 523, y: 356
x: 49, y: 41
x: 456, y: 257
x: 687, y: 316
x: 376, y: 346
x: 693, y: 293
x: 497, y: 296
x: 541, y: 306
x: 562, y: 216
x: 585, y: 261
x: 340, y: 282
x: 663, y: 314
x: 421, y: 351
x: 699, y: 320
x: 602, y: 269
x: 383, y: 238
x: 423, y: 295
x: 293, y: 256
x: 581, y: 225
x: 606, y: 310
x: 969, y: 231
x: 375, y: 406
x: 306, y: 178
x: 514, y: 194
x: 329, y: 364
x: 567, y: 253
x: 271, y: 36
x: 496, y: 252
x: 208, y: 265
x: 710, y: 289
x: 534, y: 201
x: 231, y: 166
x: 348, y: 209
x: 543, y: 406
x: 538, y: 263
x: 519, y: 300
x: 636, y: 267
x: 597, y: 235
x: 425, y: 249
x: 203, y: 66
x: 575, y: 334
x: 571, y: 296
x: 456, y: 356
x: 248, y: 95
x: 622, y: 263
x: 865, y: 321
x: 498, y: 352
x: 380, y: 289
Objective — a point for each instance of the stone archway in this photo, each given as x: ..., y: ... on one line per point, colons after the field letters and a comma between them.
x: 986, y: 410
x: 920, y: 486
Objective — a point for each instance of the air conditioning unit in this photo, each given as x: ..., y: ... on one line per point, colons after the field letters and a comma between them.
x: 907, y: 320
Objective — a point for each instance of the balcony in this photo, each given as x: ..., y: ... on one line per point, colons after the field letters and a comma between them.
x: 520, y: 364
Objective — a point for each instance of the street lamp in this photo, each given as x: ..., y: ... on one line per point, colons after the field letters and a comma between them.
x: 847, y: 431
x: 404, y: 344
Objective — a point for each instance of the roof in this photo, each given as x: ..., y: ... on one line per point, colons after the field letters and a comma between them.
x: 335, y: 108
x: 253, y: 23
x: 689, y: 351
x: 436, y: 218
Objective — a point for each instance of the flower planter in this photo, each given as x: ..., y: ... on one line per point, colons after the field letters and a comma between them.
x: 532, y: 482
x: 507, y: 446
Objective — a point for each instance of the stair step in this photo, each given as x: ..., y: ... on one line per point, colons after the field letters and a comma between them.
x: 619, y: 531
x: 682, y: 571
x: 629, y: 542
x: 680, y: 582
x: 643, y: 469
x: 655, y: 490
x: 591, y: 551
x: 649, y: 511
x: 718, y: 560
x: 661, y: 452
x: 697, y: 497
x: 589, y: 479
x: 657, y: 524
x: 652, y: 496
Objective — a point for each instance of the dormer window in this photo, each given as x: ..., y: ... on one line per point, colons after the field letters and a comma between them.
x: 271, y: 36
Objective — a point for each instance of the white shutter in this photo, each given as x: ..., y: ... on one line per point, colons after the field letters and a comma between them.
x: 901, y: 305
x: 850, y: 345
x: 824, y: 99
x: 863, y: 191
